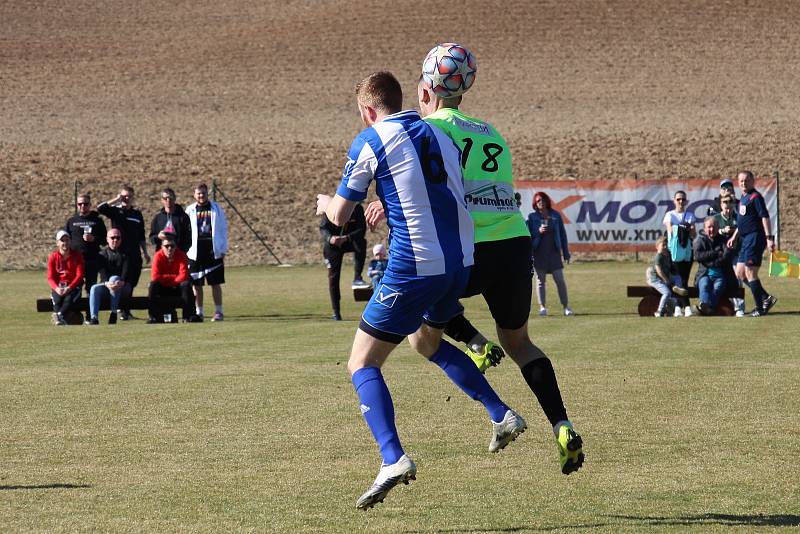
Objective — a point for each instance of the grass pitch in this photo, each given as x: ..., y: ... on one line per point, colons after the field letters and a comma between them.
x: 251, y: 425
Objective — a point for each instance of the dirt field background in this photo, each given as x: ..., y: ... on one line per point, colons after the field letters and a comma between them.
x: 259, y: 95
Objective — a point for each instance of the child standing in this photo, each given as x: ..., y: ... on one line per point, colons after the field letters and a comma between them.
x: 663, y: 276
x: 377, y: 266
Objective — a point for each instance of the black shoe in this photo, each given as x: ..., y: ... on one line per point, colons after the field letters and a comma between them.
x: 125, y: 316
x: 60, y: 321
x: 768, y: 303
x: 336, y: 317
x: 195, y: 319
x: 92, y: 321
x: 757, y: 313
x: 150, y: 320
x: 112, y: 319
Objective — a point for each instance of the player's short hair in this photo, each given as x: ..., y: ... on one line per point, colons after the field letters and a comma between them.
x: 87, y: 196
x: 128, y: 188
x: 748, y: 174
x: 661, y: 241
x: 169, y: 192
x: 201, y: 186
x: 380, y: 91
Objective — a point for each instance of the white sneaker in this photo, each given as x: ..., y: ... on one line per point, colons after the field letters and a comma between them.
x: 542, y: 312
x: 403, y: 470
x: 678, y: 312
x: 739, y: 313
x: 568, y: 312
x: 506, y: 430
x: 687, y: 312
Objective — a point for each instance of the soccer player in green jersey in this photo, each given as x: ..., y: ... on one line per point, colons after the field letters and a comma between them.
x: 502, y: 272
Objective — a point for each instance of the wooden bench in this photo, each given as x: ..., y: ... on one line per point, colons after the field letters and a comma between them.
x: 131, y: 303
x: 650, y: 298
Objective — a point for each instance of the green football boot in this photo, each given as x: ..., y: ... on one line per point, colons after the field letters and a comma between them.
x: 491, y: 356
x: 570, y: 449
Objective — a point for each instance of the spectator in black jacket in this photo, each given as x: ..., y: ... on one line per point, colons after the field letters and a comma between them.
x: 114, y: 273
x: 714, y: 261
x: 336, y: 242
x: 171, y: 219
x: 725, y: 188
x: 130, y: 222
x: 88, y: 232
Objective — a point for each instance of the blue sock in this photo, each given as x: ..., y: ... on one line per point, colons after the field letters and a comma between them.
x: 378, y: 411
x: 465, y: 374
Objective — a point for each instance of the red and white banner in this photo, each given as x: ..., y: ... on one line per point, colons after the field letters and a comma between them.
x: 627, y: 215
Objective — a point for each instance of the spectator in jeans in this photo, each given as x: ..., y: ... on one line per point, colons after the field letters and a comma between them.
x: 65, y: 271
x: 170, y: 278
x: 663, y: 277
x: 377, y: 266
x: 714, y: 261
x: 114, y: 269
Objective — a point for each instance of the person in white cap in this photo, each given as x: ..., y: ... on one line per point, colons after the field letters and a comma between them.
x: 65, y: 270
x: 377, y: 265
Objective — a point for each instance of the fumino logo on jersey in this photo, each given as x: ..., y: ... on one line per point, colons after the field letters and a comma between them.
x: 489, y: 196
x: 627, y: 215
x: 387, y: 296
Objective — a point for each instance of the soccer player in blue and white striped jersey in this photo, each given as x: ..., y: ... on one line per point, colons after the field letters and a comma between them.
x: 416, y: 168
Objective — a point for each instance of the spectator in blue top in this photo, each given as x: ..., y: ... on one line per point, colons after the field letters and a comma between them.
x: 754, y: 231
x: 680, y: 234
x: 549, y: 241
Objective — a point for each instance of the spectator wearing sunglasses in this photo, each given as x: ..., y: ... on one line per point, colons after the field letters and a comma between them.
x: 114, y: 273
x: 170, y: 278
x: 170, y: 219
x: 87, y: 233
x: 725, y: 188
x: 680, y: 234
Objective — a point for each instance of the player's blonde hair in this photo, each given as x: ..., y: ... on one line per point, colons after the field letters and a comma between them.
x: 380, y: 91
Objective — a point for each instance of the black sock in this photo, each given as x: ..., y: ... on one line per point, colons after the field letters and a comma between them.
x: 758, y: 292
x: 541, y: 378
x: 460, y: 329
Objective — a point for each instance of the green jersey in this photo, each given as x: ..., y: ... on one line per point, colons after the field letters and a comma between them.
x: 488, y: 182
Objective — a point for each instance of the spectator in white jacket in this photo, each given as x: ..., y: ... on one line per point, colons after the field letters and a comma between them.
x: 209, y: 246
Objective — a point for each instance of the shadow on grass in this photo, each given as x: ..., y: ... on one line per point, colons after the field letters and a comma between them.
x: 279, y: 317
x: 755, y: 520
x: 731, y: 520
x: 45, y: 486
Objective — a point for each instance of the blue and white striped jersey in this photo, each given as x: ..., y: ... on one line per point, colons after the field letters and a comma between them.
x: 417, y: 172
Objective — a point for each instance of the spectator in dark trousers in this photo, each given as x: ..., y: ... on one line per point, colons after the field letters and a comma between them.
x: 65, y: 272
x: 336, y: 242
x: 170, y: 219
x: 87, y: 232
x: 170, y: 278
x: 114, y: 269
x: 130, y: 222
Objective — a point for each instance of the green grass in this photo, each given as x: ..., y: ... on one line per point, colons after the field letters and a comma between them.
x: 251, y: 425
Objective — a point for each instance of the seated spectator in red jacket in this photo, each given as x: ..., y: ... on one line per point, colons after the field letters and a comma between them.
x: 65, y: 270
x: 170, y: 278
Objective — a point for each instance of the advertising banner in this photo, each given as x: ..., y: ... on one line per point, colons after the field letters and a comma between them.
x: 627, y: 215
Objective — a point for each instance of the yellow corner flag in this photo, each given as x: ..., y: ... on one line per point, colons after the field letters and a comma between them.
x: 784, y: 264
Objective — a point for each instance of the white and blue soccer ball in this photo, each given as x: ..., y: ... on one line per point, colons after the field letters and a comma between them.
x: 449, y: 70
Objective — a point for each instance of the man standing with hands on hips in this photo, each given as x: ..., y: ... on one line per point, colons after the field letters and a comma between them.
x: 754, y: 230
x: 209, y: 246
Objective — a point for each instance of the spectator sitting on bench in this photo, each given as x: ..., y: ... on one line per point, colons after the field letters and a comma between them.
x: 714, y: 261
x: 114, y: 267
x: 663, y: 276
x: 377, y: 266
x: 170, y: 277
x: 65, y: 270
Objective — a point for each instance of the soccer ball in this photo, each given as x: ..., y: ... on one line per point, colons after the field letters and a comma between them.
x: 449, y: 70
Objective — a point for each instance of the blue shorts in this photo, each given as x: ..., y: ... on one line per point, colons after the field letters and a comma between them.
x: 401, y: 303
x: 752, y: 249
